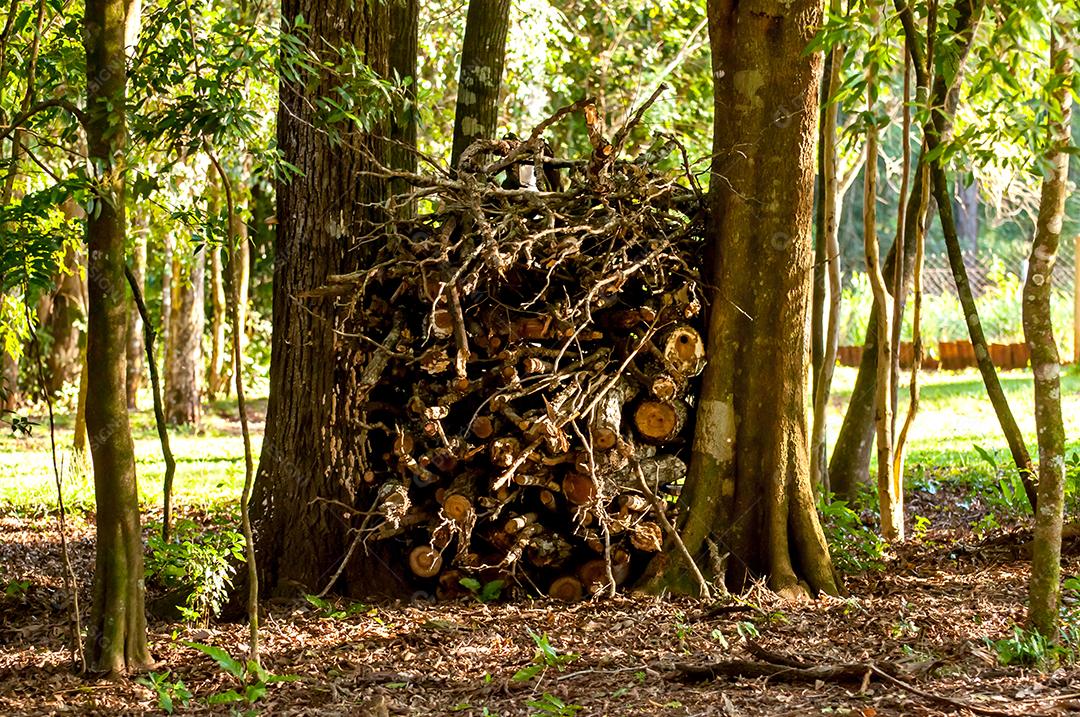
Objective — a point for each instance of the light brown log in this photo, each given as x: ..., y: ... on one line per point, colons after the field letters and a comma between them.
x: 665, y: 388
x: 483, y: 427
x: 593, y: 573
x: 607, y: 425
x: 442, y: 324
x: 458, y: 508
x: 683, y: 350
x: 660, y: 421
x: 516, y: 523
x: 647, y: 536
x: 579, y: 489
x: 547, y: 499
x: 567, y: 588
x: 534, y: 365
x: 632, y: 503
x: 424, y: 561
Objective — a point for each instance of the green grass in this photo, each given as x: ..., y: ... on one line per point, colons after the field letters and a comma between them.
x: 209, y: 464
x: 955, y: 415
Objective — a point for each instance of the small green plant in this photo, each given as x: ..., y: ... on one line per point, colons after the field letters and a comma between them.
x: 747, y: 630
x: 169, y: 692
x: 1027, y: 647
x: 197, y: 561
x: 546, y: 656
x: 855, y: 547
x: 328, y: 609
x: 486, y: 592
x: 551, y: 706
x: 921, y: 525
x: 252, y: 681
x: 16, y: 589
x: 1009, y: 498
x: 985, y: 525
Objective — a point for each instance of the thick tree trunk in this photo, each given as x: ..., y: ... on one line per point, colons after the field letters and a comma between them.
x: 183, y: 363
x: 135, y: 345
x: 116, y: 634
x: 312, y: 441
x: 1045, y: 363
x: 483, y: 54
x: 748, y: 491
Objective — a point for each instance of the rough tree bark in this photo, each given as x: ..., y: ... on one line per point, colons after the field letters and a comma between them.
x: 1043, y: 596
x: 183, y: 362
x: 748, y: 491
x: 116, y: 634
x: 311, y: 440
x: 483, y: 54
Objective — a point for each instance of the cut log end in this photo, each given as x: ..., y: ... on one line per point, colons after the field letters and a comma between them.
x: 425, y: 562
x: 579, y: 489
x: 659, y: 421
x: 567, y: 588
x: 458, y: 508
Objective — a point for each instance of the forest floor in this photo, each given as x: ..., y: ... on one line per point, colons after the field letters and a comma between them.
x: 938, y: 611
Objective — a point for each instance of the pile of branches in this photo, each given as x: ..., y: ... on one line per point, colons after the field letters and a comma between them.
x: 532, y: 340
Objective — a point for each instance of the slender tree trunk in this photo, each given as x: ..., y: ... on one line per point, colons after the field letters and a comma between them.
x: 183, y: 366
x: 969, y: 16
x: 59, y: 314
x: 135, y: 346
x: 748, y: 492
x: 311, y: 446
x: 483, y: 54
x: 116, y: 633
x: 242, y: 276
x: 9, y: 376
x: 215, y: 380
x: 890, y: 496
x: 1044, y: 592
x: 1076, y: 300
x: 849, y: 465
x: 966, y: 210
x: 830, y: 242
x: 79, y: 440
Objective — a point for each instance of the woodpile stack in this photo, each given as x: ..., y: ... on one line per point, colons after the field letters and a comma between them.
x: 531, y: 343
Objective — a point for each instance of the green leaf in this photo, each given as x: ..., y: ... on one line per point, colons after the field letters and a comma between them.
x: 224, y: 698
x: 224, y: 659
x: 527, y: 673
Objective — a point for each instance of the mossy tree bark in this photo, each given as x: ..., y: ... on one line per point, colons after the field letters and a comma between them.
x: 1043, y: 596
x: 748, y: 492
x: 116, y: 635
x: 311, y: 450
x: 483, y: 55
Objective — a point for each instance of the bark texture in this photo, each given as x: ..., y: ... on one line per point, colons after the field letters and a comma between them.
x: 116, y: 633
x: 482, y: 57
x: 312, y: 439
x: 1044, y: 591
x: 183, y: 363
x: 748, y: 491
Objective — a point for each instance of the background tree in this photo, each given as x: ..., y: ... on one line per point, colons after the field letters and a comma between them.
x: 1045, y: 589
x: 748, y: 491
x: 483, y: 55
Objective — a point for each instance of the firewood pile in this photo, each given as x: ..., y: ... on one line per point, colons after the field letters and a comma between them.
x: 532, y: 340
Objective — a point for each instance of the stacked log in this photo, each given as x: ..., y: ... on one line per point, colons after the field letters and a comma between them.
x: 526, y: 354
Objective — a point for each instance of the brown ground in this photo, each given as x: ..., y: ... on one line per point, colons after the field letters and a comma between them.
x: 931, y: 610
